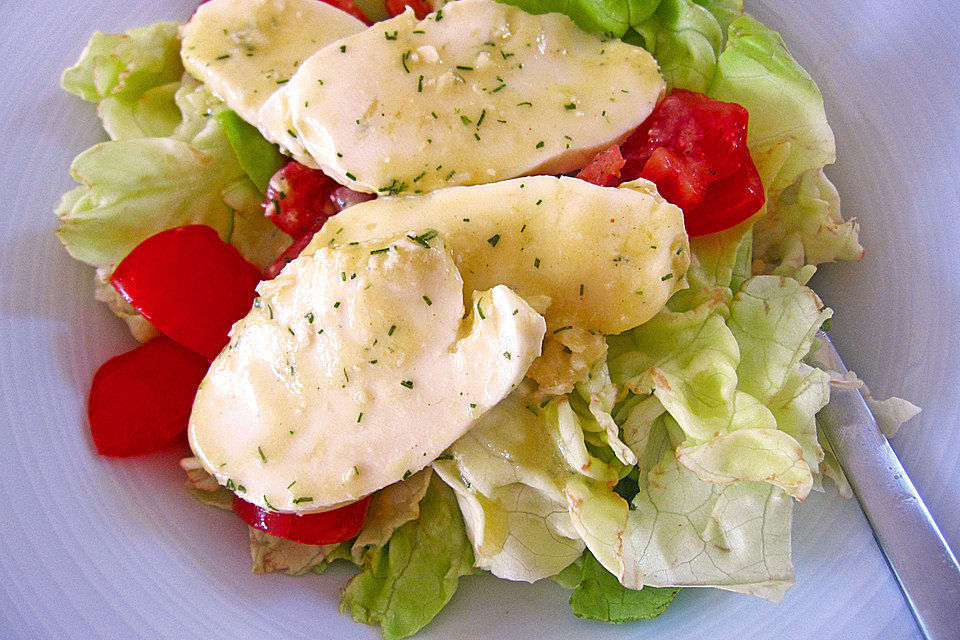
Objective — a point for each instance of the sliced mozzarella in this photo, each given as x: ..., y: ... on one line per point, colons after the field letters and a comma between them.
x: 607, y: 258
x: 477, y: 92
x: 245, y: 50
x: 354, y: 368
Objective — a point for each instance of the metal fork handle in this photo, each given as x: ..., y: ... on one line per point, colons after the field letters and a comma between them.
x: 909, y: 539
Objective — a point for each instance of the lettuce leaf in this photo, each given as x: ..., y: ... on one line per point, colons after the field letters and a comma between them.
x: 599, y: 596
x: 685, y: 38
x: 403, y: 584
x: 125, y: 65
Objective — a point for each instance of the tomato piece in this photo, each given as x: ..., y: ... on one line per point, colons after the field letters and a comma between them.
x: 695, y: 149
x: 190, y: 284
x: 420, y: 8
x: 682, y: 183
x: 141, y: 400
x: 604, y: 169
x: 350, y: 7
x: 328, y: 527
x: 300, y: 199
x: 727, y: 203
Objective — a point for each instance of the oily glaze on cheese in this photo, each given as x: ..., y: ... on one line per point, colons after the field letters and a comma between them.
x: 604, y: 259
x: 475, y: 93
x: 245, y: 50
x: 354, y: 368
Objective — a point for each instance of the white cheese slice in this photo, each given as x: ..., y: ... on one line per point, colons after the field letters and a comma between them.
x: 477, y: 92
x: 245, y: 50
x: 608, y: 258
x: 354, y: 368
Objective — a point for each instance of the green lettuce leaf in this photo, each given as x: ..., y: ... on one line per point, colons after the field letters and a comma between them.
x: 125, y: 65
x: 133, y: 189
x: 685, y: 38
x: 788, y: 134
x: 404, y: 584
x: 599, y: 596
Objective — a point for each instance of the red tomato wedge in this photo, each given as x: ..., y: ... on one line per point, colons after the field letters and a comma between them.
x: 300, y: 199
x: 695, y: 149
x: 604, y: 169
x: 328, y: 527
x: 190, y: 284
x: 420, y: 8
x: 141, y: 400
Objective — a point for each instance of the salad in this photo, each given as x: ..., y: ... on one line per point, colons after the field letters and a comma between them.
x: 517, y: 288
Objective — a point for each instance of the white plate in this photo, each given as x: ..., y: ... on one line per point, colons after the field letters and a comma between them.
x: 94, y: 547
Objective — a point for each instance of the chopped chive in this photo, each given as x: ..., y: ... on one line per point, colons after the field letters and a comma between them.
x: 666, y: 277
x: 581, y: 289
x: 563, y: 329
x: 390, y: 36
x: 403, y: 60
x: 465, y: 119
x: 360, y: 417
x: 480, y: 311
x: 494, y: 239
x: 393, y: 328
x: 223, y: 57
x: 506, y: 354
x: 350, y: 176
x: 483, y: 114
x: 376, y: 251
x: 538, y: 202
x: 536, y: 263
x: 406, y: 474
x: 464, y: 67
x: 343, y: 48
x: 304, y: 499
x: 420, y: 85
x: 524, y: 104
x: 407, y: 383
x: 540, y: 145
x: 495, y: 89
x: 427, y: 300
x: 291, y: 484
x: 570, y: 106
x: 336, y: 305
x: 262, y: 457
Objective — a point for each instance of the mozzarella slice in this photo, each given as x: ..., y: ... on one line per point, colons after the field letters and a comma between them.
x: 245, y: 50
x: 477, y: 92
x: 354, y: 368
x: 607, y: 258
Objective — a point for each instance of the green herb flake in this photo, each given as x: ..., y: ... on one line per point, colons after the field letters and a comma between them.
x: 494, y: 239
x: 262, y: 457
x: 540, y: 145
x: 407, y: 384
x: 350, y: 176
x: 506, y: 354
x: 536, y: 263
x: 376, y: 251
x: 666, y: 277
x: 390, y: 36
x: 304, y: 499
x: 343, y: 48
x: 570, y: 106
x: 406, y: 474
x: 223, y: 57
x: 393, y: 328
x: 562, y: 329
x: 480, y: 311
x: 360, y: 416
x: 427, y: 300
